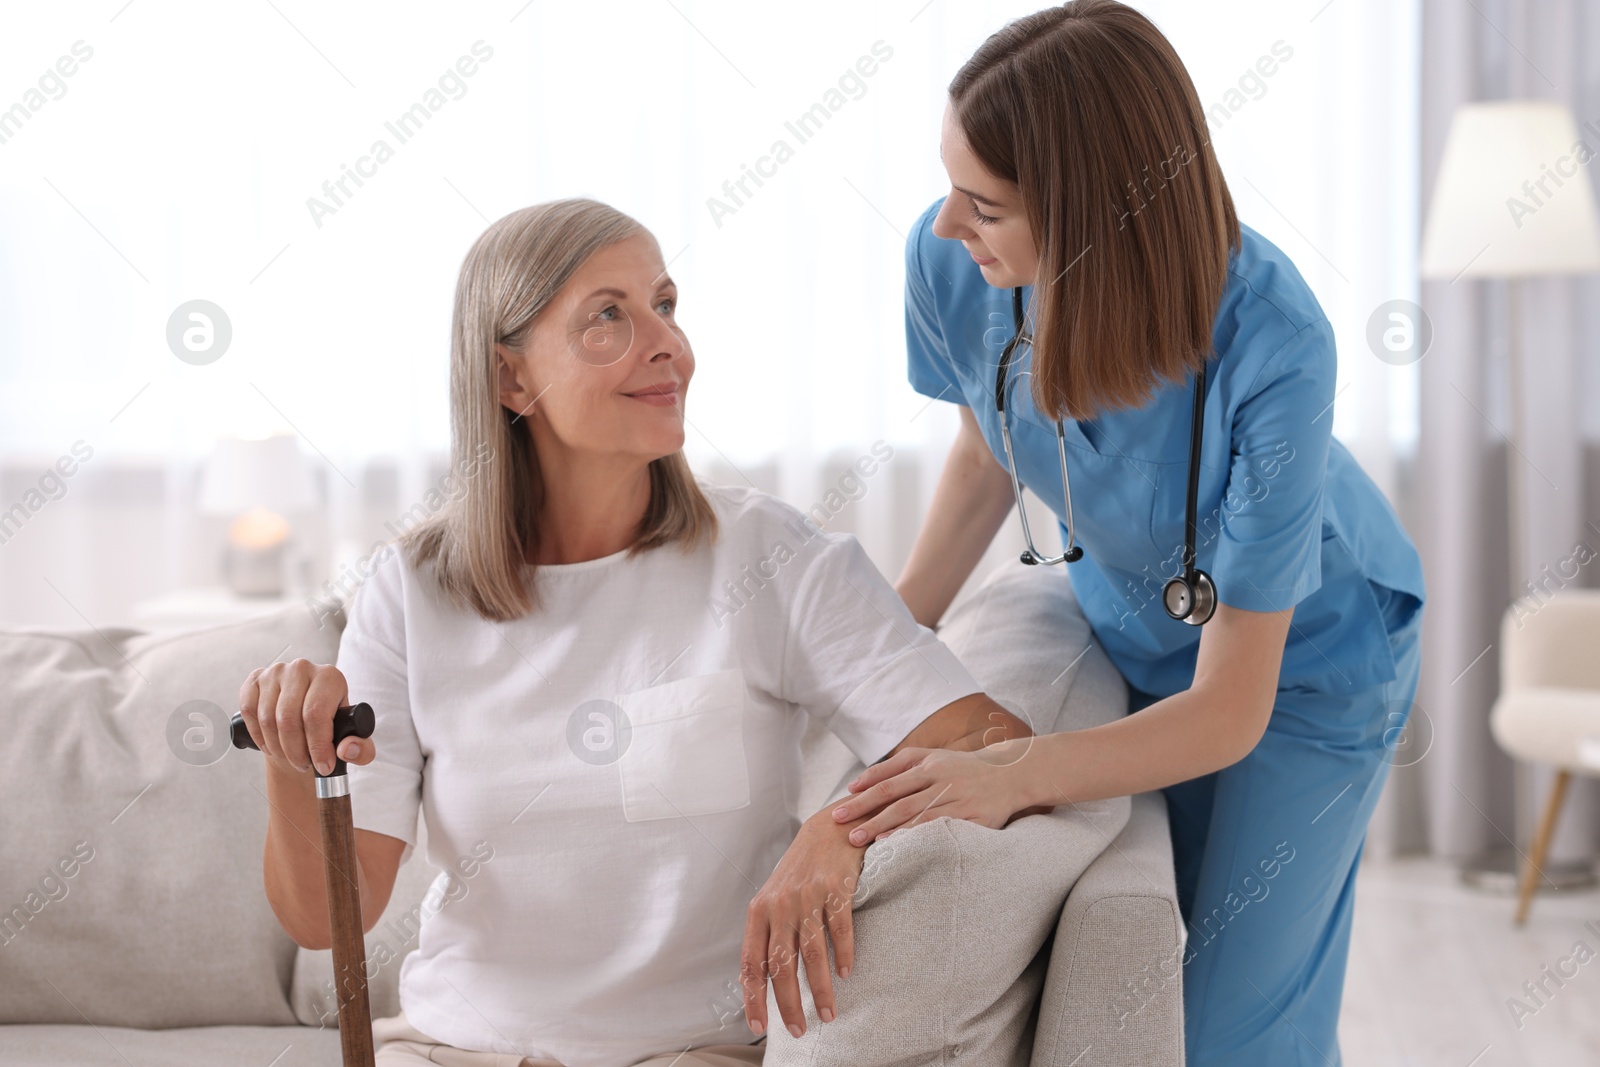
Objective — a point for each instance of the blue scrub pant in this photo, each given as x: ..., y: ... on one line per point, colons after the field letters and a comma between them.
x: 1266, y: 853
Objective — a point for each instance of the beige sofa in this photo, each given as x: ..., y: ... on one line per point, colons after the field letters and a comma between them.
x: 135, y: 930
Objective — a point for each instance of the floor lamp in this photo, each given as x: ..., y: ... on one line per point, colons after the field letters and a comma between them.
x: 1513, y: 199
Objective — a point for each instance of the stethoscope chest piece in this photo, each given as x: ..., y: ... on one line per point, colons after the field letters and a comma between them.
x: 1191, y: 602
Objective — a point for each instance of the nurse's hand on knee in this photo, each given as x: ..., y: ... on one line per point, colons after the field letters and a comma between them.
x: 879, y: 786
x: 986, y: 786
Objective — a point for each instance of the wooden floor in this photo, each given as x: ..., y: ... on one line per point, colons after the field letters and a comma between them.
x: 1433, y: 964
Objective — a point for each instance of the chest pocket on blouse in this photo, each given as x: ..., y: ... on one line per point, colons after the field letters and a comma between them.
x: 686, y: 754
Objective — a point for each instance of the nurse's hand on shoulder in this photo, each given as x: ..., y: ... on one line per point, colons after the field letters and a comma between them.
x: 288, y: 709
x: 804, y: 902
x: 917, y: 785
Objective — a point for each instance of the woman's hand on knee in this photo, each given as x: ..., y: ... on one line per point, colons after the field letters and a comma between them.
x: 805, y: 902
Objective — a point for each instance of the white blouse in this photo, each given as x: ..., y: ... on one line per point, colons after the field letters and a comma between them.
x: 608, y: 781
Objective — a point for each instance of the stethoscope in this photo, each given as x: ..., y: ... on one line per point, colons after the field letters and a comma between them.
x: 1190, y: 597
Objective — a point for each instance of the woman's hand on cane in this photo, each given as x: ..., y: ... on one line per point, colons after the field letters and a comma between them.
x: 288, y: 709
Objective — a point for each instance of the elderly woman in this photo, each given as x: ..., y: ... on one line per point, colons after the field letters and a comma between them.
x: 591, y: 673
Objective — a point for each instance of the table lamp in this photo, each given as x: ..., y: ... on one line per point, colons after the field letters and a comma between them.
x: 256, y: 480
x: 1513, y: 199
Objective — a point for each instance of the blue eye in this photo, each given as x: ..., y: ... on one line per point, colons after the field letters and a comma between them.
x: 670, y: 303
x: 608, y: 309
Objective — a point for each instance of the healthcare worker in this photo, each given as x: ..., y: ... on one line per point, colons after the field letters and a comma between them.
x: 1272, y: 664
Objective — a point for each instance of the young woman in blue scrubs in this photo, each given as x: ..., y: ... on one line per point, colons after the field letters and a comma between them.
x: 1081, y: 172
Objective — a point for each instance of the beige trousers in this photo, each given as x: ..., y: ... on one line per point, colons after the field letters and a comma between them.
x: 399, y: 1044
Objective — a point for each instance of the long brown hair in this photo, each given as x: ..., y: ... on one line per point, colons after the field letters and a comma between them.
x: 485, y: 536
x: 1088, y: 110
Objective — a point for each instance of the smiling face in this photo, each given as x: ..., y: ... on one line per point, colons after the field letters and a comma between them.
x: 605, y: 369
x: 984, y: 213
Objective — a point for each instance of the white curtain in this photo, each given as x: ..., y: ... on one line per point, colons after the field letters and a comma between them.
x: 1465, y: 797
x: 180, y: 160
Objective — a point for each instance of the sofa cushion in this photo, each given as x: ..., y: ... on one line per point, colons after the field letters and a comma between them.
x: 130, y: 869
x: 114, y: 1046
x: 1023, y: 635
x: 950, y: 917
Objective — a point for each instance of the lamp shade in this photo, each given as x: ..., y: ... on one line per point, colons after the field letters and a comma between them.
x: 1513, y: 195
x: 245, y: 473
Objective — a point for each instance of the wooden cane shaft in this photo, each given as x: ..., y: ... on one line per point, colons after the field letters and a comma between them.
x: 344, y: 921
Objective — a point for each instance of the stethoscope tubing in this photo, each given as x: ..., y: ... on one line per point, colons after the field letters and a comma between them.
x: 1190, y: 598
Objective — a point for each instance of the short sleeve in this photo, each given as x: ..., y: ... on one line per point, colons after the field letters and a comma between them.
x: 386, y: 794
x: 928, y: 364
x: 855, y: 658
x: 1269, y: 553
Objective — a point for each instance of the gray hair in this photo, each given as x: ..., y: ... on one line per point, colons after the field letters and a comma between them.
x: 484, y: 539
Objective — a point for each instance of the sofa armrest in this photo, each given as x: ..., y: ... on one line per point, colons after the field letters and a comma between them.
x: 1113, y: 993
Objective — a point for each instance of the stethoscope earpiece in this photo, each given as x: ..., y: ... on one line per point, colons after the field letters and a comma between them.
x: 1072, y: 555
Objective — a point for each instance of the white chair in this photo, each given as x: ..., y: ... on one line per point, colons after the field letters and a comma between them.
x: 1549, y: 706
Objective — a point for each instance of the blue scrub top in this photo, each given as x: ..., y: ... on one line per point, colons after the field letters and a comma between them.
x: 1286, y: 516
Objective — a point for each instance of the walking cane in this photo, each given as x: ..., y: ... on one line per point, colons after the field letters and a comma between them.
x: 344, y: 894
